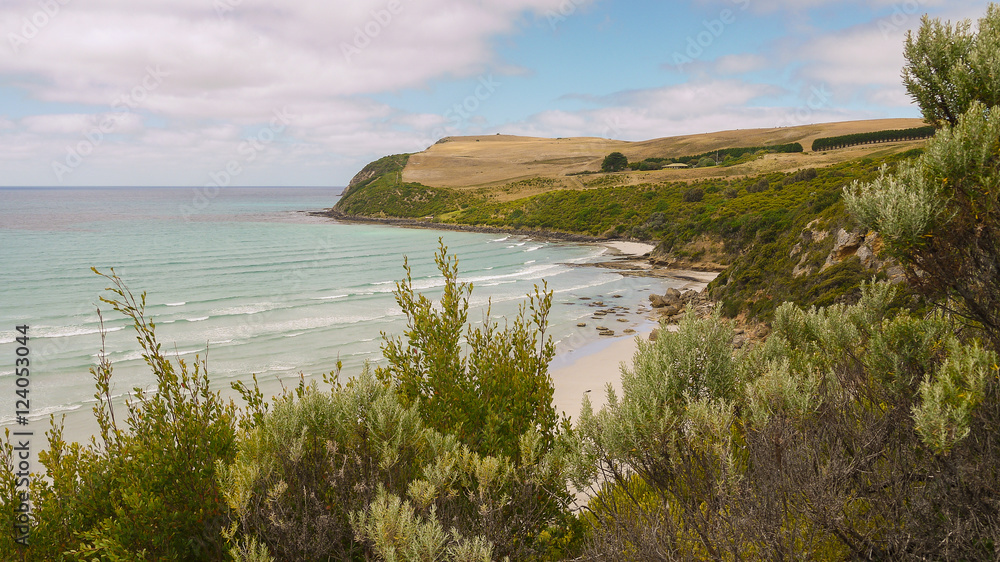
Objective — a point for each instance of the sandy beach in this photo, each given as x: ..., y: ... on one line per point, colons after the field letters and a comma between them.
x: 589, y: 370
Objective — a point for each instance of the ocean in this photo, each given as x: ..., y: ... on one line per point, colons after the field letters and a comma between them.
x: 248, y: 279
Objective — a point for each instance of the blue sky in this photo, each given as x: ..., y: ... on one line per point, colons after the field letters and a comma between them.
x: 306, y: 92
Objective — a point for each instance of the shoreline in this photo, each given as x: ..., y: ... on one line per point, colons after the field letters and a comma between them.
x: 590, y: 369
x: 425, y: 224
x: 592, y: 365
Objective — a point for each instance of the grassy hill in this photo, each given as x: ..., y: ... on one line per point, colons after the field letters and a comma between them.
x: 490, y: 164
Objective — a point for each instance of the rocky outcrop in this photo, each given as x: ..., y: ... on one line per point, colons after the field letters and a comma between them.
x: 867, y: 246
x: 847, y: 245
x: 671, y: 305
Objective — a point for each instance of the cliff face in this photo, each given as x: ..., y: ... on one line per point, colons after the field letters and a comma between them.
x: 374, y: 170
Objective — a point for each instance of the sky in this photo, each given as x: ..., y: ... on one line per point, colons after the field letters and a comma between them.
x: 218, y: 93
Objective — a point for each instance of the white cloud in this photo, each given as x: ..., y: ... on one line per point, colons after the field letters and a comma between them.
x: 698, y: 107
x: 189, y: 84
x: 189, y: 81
x: 739, y: 64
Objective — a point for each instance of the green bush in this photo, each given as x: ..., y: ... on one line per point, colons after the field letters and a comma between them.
x: 853, y: 429
x: 146, y: 487
x: 454, y: 454
x: 694, y: 195
x: 492, y: 395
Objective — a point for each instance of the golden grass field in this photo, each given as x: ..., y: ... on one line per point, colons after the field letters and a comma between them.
x: 504, y: 166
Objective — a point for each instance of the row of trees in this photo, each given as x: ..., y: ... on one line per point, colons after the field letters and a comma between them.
x: 894, y: 135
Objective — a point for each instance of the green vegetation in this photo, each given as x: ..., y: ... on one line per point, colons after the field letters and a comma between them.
x: 950, y: 67
x: 614, y: 162
x: 843, y: 141
x: 939, y: 216
x: 854, y: 433
x: 394, y: 198
x: 146, y: 487
x: 858, y: 430
x: 491, y: 396
x: 380, y: 186
x: 374, y: 171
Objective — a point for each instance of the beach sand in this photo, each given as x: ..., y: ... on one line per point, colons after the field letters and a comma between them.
x: 590, y: 369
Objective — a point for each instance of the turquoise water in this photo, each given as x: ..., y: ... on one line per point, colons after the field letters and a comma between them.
x: 247, y: 279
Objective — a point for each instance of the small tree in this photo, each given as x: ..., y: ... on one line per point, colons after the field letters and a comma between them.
x: 488, y: 397
x: 614, y: 162
x: 949, y: 67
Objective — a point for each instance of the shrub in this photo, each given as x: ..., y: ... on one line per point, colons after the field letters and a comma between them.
x: 694, y: 195
x: 145, y: 488
x: 454, y: 455
x: 805, y: 446
x: 939, y: 216
x: 488, y: 397
x: 759, y: 187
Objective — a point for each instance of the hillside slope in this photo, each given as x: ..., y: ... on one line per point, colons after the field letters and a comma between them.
x: 485, y: 162
x: 773, y: 223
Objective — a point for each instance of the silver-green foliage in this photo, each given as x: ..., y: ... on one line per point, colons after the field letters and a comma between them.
x: 819, y: 440
x: 916, y: 202
x: 940, y: 215
x: 903, y: 206
x: 316, y: 457
x: 355, y: 472
x: 951, y: 66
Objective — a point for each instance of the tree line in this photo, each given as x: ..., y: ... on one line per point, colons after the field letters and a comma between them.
x: 894, y: 135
